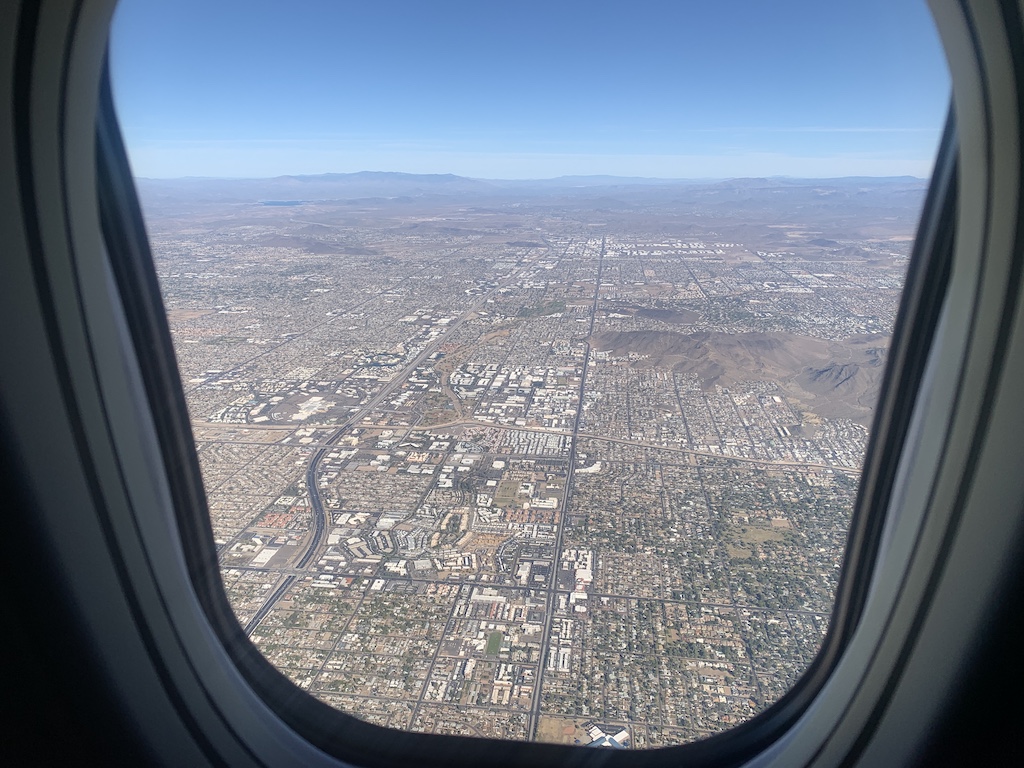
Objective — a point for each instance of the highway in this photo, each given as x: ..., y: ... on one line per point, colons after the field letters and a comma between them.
x: 269, y: 603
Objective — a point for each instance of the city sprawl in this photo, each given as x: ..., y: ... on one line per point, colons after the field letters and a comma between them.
x: 573, y: 466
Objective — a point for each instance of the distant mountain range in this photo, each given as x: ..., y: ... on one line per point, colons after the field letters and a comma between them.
x: 627, y: 191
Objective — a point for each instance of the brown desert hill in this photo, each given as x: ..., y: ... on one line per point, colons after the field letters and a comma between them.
x: 851, y: 388
x: 834, y: 379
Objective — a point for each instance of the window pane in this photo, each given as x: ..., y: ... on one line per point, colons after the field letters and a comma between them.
x: 569, y: 460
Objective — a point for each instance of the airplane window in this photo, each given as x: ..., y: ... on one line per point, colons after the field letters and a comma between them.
x: 531, y: 351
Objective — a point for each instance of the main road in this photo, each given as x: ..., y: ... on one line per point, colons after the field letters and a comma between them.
x: 549, y: 616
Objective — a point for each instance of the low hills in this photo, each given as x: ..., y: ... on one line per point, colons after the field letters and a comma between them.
x: 834, y: 379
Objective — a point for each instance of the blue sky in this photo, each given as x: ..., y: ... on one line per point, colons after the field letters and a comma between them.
x: 525, y: 89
